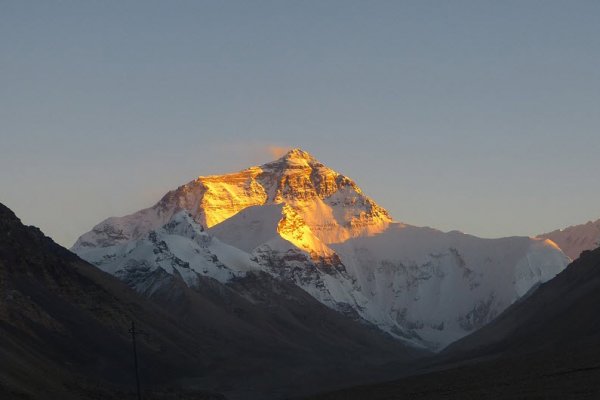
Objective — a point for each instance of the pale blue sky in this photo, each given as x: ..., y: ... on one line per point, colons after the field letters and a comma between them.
x: 481, y: 116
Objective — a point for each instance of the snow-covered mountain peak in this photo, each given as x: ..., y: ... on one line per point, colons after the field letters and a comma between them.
x: 330, y: 204
x: 305, y: 223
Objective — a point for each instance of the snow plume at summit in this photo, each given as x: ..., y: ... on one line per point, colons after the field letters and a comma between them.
x: 278, y: 151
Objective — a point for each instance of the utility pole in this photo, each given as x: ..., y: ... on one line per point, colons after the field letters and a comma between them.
x: 133, y: 333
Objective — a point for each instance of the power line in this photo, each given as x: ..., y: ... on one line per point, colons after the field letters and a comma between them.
x: 134, y: 333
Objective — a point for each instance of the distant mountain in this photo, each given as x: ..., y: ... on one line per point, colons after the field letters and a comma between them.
x: 576, y: 239
x: 303, y: 223
x: 64, y: 328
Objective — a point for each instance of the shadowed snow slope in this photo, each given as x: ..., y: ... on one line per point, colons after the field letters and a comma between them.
x: 561, y: 313
x: 304, y: 223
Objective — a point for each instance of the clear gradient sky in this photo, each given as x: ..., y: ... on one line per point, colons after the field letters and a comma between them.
x: 481, y: 116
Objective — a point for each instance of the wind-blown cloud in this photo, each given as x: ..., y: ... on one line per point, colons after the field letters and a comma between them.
x: 278, y: 151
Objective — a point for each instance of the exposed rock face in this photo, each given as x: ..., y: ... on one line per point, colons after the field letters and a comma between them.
x: 576, y: 239
x: 304, y: 223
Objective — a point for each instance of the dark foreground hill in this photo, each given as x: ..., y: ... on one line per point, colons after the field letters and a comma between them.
x: 64, y: 328
x: 64, y: 324
x: 546, y: 346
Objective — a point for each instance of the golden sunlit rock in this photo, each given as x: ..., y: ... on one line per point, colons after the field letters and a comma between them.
x: 321, y: 206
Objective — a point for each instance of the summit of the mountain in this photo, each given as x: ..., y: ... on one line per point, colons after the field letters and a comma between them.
x: 295, y: 156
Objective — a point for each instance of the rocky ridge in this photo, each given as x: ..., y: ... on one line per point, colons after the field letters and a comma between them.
x: 576, y: 239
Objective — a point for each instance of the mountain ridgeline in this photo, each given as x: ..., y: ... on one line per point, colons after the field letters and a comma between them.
x: 303, y: 224
x: 576, y: 239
